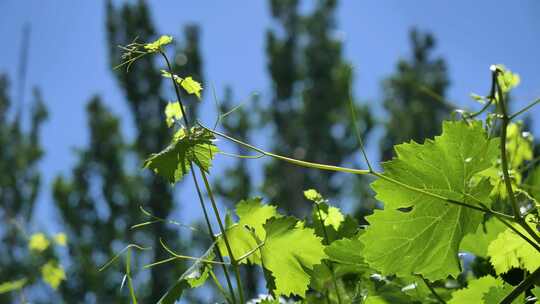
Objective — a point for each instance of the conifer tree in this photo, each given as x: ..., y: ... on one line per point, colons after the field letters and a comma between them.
x: 414, y: 96
x: 309, y: 110
x: 20, y: 182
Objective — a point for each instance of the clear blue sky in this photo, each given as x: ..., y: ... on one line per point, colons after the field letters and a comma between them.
x: 68, y: 52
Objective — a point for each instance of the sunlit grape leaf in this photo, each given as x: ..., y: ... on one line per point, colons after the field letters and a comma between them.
x: 12, y: 285
x: 496, y: 293
x: 475, y: 291
x: 506, y: 79
x: 426, y: 239
x: 38, y: 242
x: 288, y: 251
x: 53, y: 274
x: 175, y: 161
x: 336, y: 226
x: 173, y: 113
x: 346, y: 251
x: 509, y: 250
x: 156, y: 45
x: 60, y: 239
x: 477, y: 243
x: 313, y: 195
x: 191, y: 86
x: 251, y: 213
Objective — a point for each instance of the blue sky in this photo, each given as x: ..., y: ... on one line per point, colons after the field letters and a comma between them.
x: 68, y: 53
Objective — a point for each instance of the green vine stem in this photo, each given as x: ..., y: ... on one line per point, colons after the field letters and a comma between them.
x: 483, y: 208
x: 201, y: 200
x: 504, y: 160
x: 432, y: 290
x: 307, y: 164
x: 234, y: 262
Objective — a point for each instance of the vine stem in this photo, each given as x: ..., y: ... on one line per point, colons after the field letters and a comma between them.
x: 234, y: 262
x: 201, y: 200
x: 359, y: 172
x: 522, y: 287
x: 432, y: 290
x: 329, y: 263
x: 504, y: 160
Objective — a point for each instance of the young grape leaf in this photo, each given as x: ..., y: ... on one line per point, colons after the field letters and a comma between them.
x: 425, y: 239
x: 474, y: 293
x: 288, y: 251
x: 173, y: 113
x: 191, y: 86
x: 336, y: 226
x: 509, y: 250
x: 156, y: 45
x: 346, y: 251
x: 175, y: 161
x: 251, y: 213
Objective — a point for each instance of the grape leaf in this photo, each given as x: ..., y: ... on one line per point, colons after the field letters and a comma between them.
x: 426, y: 239
x: 496, y: 293
x: 191, y: 86
x: 254, y: 214
x: 156, y: 45
x: 289, y: 249
x: 509, y: 250
x: 474, y: 293
x: 175, y: 161
x: 173, y: 112
x: 336, y: 226
x: 346, y: 251
x: 478, y: 242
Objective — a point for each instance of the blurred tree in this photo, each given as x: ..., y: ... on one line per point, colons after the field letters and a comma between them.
x: 20, y: 181
x: 414, y: 96
x: 97, y: 205
x: 309, y: 111
x: 101, y: 199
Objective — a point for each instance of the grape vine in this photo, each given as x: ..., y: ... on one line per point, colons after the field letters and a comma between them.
x: 472, y: 189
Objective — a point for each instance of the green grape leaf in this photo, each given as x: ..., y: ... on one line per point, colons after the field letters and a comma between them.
x: 191, y: 86
x: 288, y: 251
x: 336, y: 226
x: 496, y: 293
x: 251, y: 213
x: 506, y: 79
x: 53, y: 274
x: 12, y: 285
x: 193, y: 277
x: 156, y: 45
x: 509, y: 250
x: 173, y: 113
x: 313, y: 195
x: 175, y: 161
x: 536, y: 292
x: 475, y: 291
x: 346, y: 251
x: 188, y: 84
x: 425, y: 239
x: 477, y: 243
